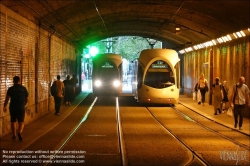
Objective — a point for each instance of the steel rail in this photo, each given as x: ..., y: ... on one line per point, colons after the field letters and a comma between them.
x: 72, y: 133
x: 212, y: 130
x: 120, y: 136
x: 214, y: 120
x: 204, y: 162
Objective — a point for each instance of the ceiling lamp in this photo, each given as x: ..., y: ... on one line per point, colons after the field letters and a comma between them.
x: 177, y: 29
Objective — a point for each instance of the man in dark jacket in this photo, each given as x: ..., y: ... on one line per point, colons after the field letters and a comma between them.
x: 18, y: 96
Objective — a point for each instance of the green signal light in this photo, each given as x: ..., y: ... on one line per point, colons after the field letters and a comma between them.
x: 93, y: 50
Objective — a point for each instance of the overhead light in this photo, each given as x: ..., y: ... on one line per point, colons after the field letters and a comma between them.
x: 206, y: 44
x: 209, y: 43
x: 201, y: 45
x: 242, y: 33
x: 229, y: 37
x: 188, y: 49
x: 223, y: 39
x: 238, y: 34
x: 196, y: 47
x: 177, y: 29
x: 220, y: 40
x: 235, y: 35
x: 214, y: 42
x: 181, y: 51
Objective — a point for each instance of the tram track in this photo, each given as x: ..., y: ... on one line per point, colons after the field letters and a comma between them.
x: 50, y: 161
x: 120, y: 139
x: 190, y: 119
x: 50, y: 154
x: 120, y: 136
x: 214, y: 131
x: 195, y: 155
x: 145, y: 136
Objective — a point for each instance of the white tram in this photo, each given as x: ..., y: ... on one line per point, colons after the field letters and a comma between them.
x: 158, y: 77
x: 107, y: 74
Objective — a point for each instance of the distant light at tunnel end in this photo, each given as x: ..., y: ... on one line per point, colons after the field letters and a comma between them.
x: 93, y: 50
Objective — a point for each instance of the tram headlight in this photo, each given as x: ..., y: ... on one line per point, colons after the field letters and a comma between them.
x: 116, y: 83
x: 98, y: 83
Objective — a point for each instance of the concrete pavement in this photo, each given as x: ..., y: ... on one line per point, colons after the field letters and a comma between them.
x: 208, y: 111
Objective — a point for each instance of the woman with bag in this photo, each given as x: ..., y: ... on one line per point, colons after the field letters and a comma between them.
x: 225, y: 90
x: 195, y: 92
x: 203, y: 87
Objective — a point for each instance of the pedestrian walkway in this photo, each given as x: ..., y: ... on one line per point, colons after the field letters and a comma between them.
x: 39, y: 127
x: 208, y: 111
x: 87, y: 86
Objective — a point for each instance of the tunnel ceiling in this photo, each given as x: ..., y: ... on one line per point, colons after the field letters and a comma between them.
x: 86, y: 21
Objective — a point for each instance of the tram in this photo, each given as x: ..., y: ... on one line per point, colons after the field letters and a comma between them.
x: 107, y: 74
x: 157, y: 77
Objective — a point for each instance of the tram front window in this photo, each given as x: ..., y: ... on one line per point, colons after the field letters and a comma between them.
x: 107, y: 73
x: 159, y: 75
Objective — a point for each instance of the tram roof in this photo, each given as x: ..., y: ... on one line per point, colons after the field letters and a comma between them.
x: 116, y: 58
x: 168, y: 55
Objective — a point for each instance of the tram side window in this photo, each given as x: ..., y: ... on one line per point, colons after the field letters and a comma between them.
x: 171, y: 78
x: 139, y: 76
x: 177, y: 70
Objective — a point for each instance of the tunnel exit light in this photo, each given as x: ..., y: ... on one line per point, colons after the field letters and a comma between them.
x: 93, y: 50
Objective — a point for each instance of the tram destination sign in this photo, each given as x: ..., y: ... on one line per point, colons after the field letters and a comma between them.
x: 159, y: 65
x: 107, y: 65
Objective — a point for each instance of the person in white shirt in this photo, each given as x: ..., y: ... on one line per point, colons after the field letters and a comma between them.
x: 217, y: 92
x: 203, y: 87
x: 239, y: 98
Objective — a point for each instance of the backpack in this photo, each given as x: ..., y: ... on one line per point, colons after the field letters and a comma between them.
x: 221, y: 86
x: 18, y: 95
x: 53, y: 89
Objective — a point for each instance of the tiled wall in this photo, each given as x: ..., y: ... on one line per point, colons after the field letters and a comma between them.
x: 37, y: 57
x: 227, y: 61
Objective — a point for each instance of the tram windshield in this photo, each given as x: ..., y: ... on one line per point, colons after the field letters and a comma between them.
x: 159, y: 75
x: 107, y: 71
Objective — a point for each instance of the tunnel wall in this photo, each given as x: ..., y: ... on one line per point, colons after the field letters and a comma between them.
x: 37, y: 56
x: 228, y: 61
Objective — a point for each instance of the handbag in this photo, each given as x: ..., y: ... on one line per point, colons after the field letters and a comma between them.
x: 198, y: 95
x: 206, y: 87
x: 230, y: 111
x: 194, y: 95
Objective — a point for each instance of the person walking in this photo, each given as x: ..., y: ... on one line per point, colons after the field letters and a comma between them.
x: 203, y: 87
x: 68, y: 91
x: 74, y: 81
x: 225, y: 90
x: 239, y: 98
x: 217, y: 92
x: 83, y: 77
x: 59, y: 94
x: 18, y: 96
